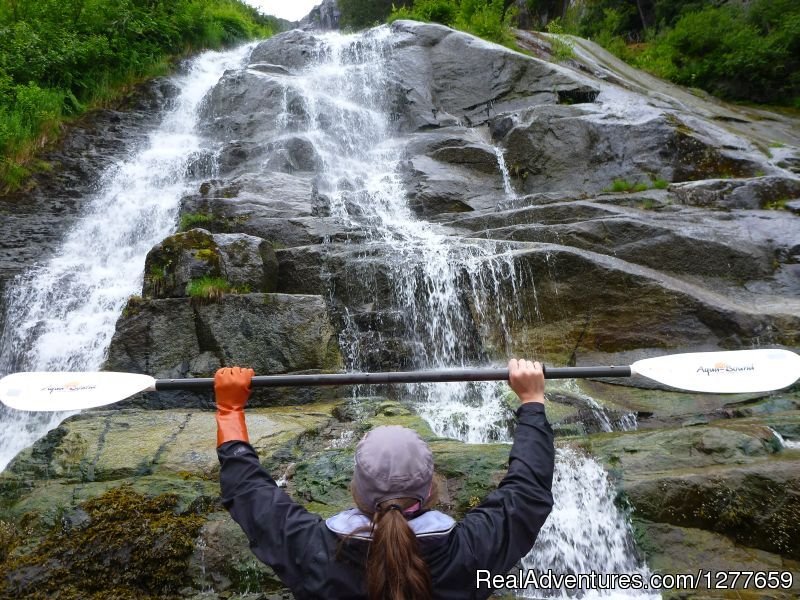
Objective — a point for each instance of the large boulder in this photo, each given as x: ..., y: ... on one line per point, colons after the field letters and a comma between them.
x: 292, y: 49
x: 447, y: 77
x: 178, y: 338
x: 648, y: 229
x: 580, y: 148
x: 760, y: 192
x: 283, y: 208
x: 732, y: 478
x: 671, y: 550
x: 178, y: 266
x: 575, y: 303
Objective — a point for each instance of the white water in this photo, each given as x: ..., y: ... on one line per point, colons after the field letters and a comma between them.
x: 61, y: 315
x: 784, y: 443
x: 508, y: 186
x: 448, y: 291
x: 432, y: 274
x: 586, y: 532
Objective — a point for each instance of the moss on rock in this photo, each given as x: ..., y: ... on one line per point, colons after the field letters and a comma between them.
x: 127, y: 545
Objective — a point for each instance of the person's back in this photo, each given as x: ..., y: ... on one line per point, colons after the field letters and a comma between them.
x: 392, y: 546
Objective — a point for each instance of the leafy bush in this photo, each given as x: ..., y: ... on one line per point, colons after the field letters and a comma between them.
x: 739, y: 51
x: 58, y: 57
x: 357, y: 14
x: 562, y: 49
x: 734, y: 52
x: 487, y: 19
x: 432, y: 11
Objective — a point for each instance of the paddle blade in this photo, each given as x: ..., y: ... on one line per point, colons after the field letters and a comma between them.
x: 56, y: 391
x: 734, y: 372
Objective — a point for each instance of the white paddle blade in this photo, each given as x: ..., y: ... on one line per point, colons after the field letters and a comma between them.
x: 733, y: 372
x: 56, y: 391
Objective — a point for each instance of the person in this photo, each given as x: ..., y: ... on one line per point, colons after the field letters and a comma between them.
x: 392, y: 546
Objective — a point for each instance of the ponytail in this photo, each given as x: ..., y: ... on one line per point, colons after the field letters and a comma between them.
x: 395, y: 569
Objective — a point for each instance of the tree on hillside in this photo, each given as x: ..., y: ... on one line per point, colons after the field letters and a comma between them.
x: 366, y: 13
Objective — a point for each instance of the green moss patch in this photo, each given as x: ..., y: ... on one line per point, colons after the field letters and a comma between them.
x: 121, y: 544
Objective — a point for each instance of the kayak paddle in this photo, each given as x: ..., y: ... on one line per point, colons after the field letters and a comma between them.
x: 728, y: 372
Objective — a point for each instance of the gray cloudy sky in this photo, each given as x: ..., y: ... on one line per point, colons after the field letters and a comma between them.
x: 292, y: 10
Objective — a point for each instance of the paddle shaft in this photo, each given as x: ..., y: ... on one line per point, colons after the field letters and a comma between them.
x: 450, y: 375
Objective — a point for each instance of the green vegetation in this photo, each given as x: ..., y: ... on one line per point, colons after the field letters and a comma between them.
x: 660, y: 184
x: 739, y: 51
x: 776, y: 204
x: 209, y: 288
x: 358, y: 14
x: 191, y: 220
x: 60, y: 57
x: 562, y: 50
x: 624, y: 186
x: 147, y: 543
x: 488, y: 19
x: 620, y: 186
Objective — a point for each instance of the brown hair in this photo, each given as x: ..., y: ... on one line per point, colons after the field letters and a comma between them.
x: 395, y: 570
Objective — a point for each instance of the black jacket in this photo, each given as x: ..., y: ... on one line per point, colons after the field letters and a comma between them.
x: 302, y: 549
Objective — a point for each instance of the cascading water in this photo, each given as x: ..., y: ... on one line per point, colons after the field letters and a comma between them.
x: 508, y: 187
x: 61, y: 315
x: 444, y: 289
x: 346, y: 118
x: 585, y: 533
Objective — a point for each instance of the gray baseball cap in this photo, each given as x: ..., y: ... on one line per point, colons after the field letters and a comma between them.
x: 392, y: 462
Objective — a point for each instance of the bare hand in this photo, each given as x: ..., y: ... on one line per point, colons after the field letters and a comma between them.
x: 526, y: 379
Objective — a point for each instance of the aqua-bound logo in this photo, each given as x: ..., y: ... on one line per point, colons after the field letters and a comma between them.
x: 70, y: 386
x: 722, y: 367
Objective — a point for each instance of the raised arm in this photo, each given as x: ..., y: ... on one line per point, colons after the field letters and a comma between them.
x: 278, y: 528
x: 502, y: 529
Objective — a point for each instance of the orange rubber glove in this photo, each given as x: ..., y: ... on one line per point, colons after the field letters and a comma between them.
x: 232, y: 389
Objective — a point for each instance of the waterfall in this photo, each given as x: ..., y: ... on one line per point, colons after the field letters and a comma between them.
x: 585, y: 532
x: 508, y: 187
x: 60, y: 315
x: 783, y: 442
x: 443, y: 288
x: 446, y: 291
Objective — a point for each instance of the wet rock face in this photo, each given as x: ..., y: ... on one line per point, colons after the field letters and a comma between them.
x: 235, y: 261
x: 481, y: 149
x: 733, y: 478
x: 324, y: 16
x: 33, y: 220
x: 760, y: 192
x: 178, y: 338
x: 580, y: 148
x: 450, y: 77
x: 144, y: 483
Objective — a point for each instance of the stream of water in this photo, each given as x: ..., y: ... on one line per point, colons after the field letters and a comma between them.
x: 60, y: 315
